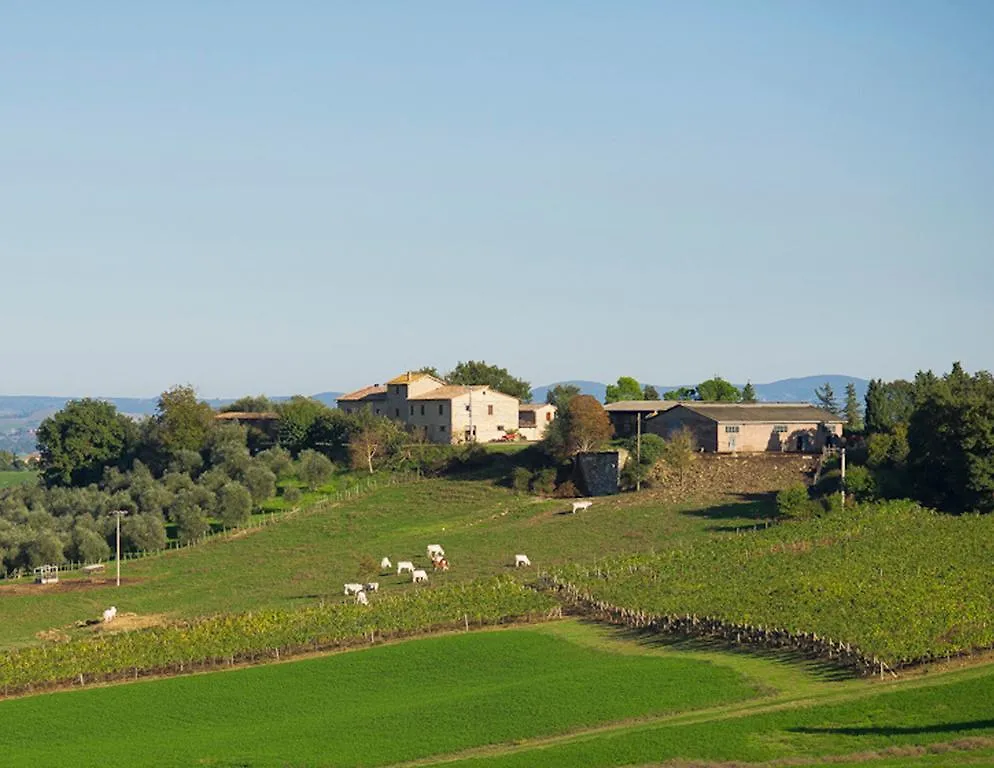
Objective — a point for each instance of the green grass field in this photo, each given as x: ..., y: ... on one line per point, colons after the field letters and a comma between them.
x: 8, y: 479
x: 372, y: 707
x: 307, y: 558
x: 560, y: 694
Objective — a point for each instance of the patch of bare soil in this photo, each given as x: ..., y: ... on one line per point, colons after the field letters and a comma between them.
x: 125, y: 622
x: 710, y: 476
x: 27, y: 587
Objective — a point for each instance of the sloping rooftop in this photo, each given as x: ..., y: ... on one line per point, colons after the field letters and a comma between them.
x: 640, y: 406
x: 452, y: 391
x: 762, y: 413
x: 247, y: 415
x: 411, y: 376
x: 374, y: 392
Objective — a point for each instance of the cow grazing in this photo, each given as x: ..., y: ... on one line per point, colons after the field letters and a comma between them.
x: 579, y: 506
x: 405, y: 566
x: 360, y: 598
x: 352, y: 588
x: 372, y: 586
x: 520, y: 560
x: 419, y: 576
x: 435, y: 549
x: 110, y: 614
x: 440, y: 564
x: 385, y: 564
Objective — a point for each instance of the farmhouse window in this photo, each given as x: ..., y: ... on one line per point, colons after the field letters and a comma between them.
x: 412, y: 410
x: 396, y: 412
x: 422, y: 410
x: 490, y: 410
x: 441, y: 409
x: 548, y: 417
x: 731, y: 429
x: 779, y: 427
x: 441, y: 427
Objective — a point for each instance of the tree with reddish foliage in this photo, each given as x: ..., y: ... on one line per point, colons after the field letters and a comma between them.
x: 582, y: 426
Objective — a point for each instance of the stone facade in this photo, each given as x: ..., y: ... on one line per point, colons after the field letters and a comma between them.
x: 444, y: 413
x: 749, y: 427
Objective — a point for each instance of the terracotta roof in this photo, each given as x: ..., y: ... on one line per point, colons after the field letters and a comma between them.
x: 247, y: 415
x: 762, y: 413
x: 452, y: 391
x: 373, y: 392
x: 412, y: 376
x: 534, y: 406
x: 640, y: 406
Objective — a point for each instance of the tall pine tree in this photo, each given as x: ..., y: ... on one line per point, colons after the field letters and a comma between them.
x: 852, y: 411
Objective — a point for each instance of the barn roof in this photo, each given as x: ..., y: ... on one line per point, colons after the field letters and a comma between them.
x: 761, y: 413
x: 640, y: 406
x: 374, y: 392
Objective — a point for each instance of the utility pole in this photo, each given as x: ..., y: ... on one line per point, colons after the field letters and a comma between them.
x: 119, y: 513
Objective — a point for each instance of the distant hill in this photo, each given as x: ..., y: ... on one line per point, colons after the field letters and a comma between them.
x: 20, y: 415
x: 594, y: 388
x: 785, y: 390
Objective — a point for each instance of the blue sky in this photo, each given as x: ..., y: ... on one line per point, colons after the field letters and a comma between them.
x: 299, y: 197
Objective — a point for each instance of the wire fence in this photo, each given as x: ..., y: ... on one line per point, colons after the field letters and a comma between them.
x: 258, y: 520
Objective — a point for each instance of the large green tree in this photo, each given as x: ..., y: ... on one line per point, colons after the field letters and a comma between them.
x: 888, y: 404
x: 78, y: 442
x: 748, y: 393
x: 951, y: 441
x: 680, y: 393
x: 183, y: 422
x: 297, y: 415
x: 627, y: 388
x: 478, y: 372
x: 717, y: 390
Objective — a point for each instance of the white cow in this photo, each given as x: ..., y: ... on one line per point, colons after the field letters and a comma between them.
x: 520, y: 560
x: 581, y: 505
x: 405, y: 566
x: 360, y: 598
x: 110, y: 614
x: 435, y: 549
x: 419, y: 576
x: 352, y: 588
x: 372, y: 586
x: 385, y: 564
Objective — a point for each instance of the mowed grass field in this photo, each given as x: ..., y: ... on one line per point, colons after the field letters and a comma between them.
x: 310, y: 556
x: 561, y: 694
x: 8, y: 479
x: 372, y: 707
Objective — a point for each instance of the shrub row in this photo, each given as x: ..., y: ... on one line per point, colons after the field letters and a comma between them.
x: 253, y: 636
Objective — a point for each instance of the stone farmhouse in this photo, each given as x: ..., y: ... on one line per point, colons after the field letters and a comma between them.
x: 446, y: 413
x: 733, y: 427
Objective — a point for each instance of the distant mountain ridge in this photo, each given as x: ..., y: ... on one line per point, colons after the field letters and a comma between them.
x: 794, y: 390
